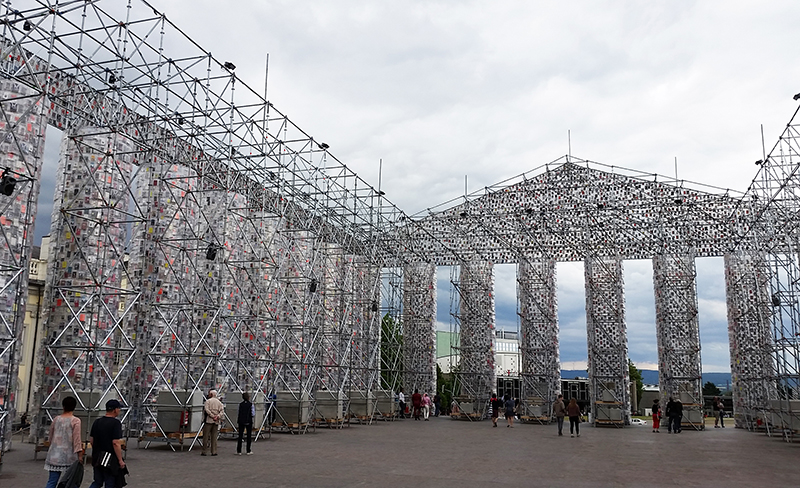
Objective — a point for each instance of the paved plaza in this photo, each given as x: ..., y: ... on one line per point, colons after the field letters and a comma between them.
x: 443, y: 453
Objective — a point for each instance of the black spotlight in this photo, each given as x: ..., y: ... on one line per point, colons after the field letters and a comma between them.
x: 374, y: 306
x: 28, y: 26
x: 678, y: 201
x: 759, y: 162
x: 324, y: 146
x: 796, y: 97
x: 211, y: 253
x: 7, y: 183
x: 112, y: 79
x: 313, y: 286
x: 463, y: 215
x: 776, y: 302
x: 229, y: 66
x: 529, y: 211
x: 180, y: 120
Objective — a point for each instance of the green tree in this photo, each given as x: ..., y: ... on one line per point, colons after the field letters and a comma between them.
x: 710, y: 389
x: 391, y: 354
x: 444, y: 387
x: 636, y: 376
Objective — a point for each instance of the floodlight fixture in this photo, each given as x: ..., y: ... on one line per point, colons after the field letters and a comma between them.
x: 796, y: 97
x: 323, y: 146
x: 312, y: 287
x: 27, y: 26
x: 7, y: 183
x: 211, y: 252
x: 229, y: 66
x: 463, y: 214
x: 759, y: 162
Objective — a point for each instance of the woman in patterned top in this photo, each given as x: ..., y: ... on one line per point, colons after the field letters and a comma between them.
x: 65, y: 442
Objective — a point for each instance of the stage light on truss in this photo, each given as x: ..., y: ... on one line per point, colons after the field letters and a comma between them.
x: 27, y: 26
x: 759, y: 162
x: 529, y: 211
x: 796, y: 97
x: 229, y: 66
x: 112, y: 78
x: 211, y: 252
x: 374, y: 306
x: 323, y: 146
x: 313, y: 286
x: 463, y: 214
x: 179, y: 119
x: 7, y: 183
x: 776, y: 301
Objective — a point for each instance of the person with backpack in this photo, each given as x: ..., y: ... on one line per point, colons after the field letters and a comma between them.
x: 106, y: 441
x: 574, y: 412
x: 510, y: 406
x: 560, y: 411
x: 247, y: 412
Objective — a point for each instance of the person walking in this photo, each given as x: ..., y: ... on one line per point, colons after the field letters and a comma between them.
x: 106, y: 441
x: 213, y: 412
x: 560, y: 411
x: 496, y: 405
x: 426, y: 406
x: 65, y: 442
x: 509, y: 406
x: 720, y: 413
x: 656, y: 415
x: 416, y: 402
x: 401, y: 398
x: 247, y: 412
x: 574, y: 412
x: 669, y: 413
x: 437, y: 404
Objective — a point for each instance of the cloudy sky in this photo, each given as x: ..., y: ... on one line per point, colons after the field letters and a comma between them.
x: 440, y: 90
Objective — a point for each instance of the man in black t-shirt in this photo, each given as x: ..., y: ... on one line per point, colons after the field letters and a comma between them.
x: 106, y: 441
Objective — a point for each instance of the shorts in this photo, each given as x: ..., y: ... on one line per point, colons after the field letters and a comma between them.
x: 495, y: 414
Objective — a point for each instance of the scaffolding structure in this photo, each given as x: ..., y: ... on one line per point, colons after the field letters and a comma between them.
x: 765, y: 337
x: 577, y: 210
x: 197, y: 231
x: 201, y: 240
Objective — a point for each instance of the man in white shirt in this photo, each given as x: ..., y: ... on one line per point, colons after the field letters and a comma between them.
x: 402, y: 404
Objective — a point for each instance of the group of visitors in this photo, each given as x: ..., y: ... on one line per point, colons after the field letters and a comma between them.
x: 507, y: 405
x: 422, y: 405
x: 674, y: 414
x: 573, y: 411
x: 64, y: 459
x: 65, y: 454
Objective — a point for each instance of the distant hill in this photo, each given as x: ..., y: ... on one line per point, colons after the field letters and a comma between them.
x: 650, y: 376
